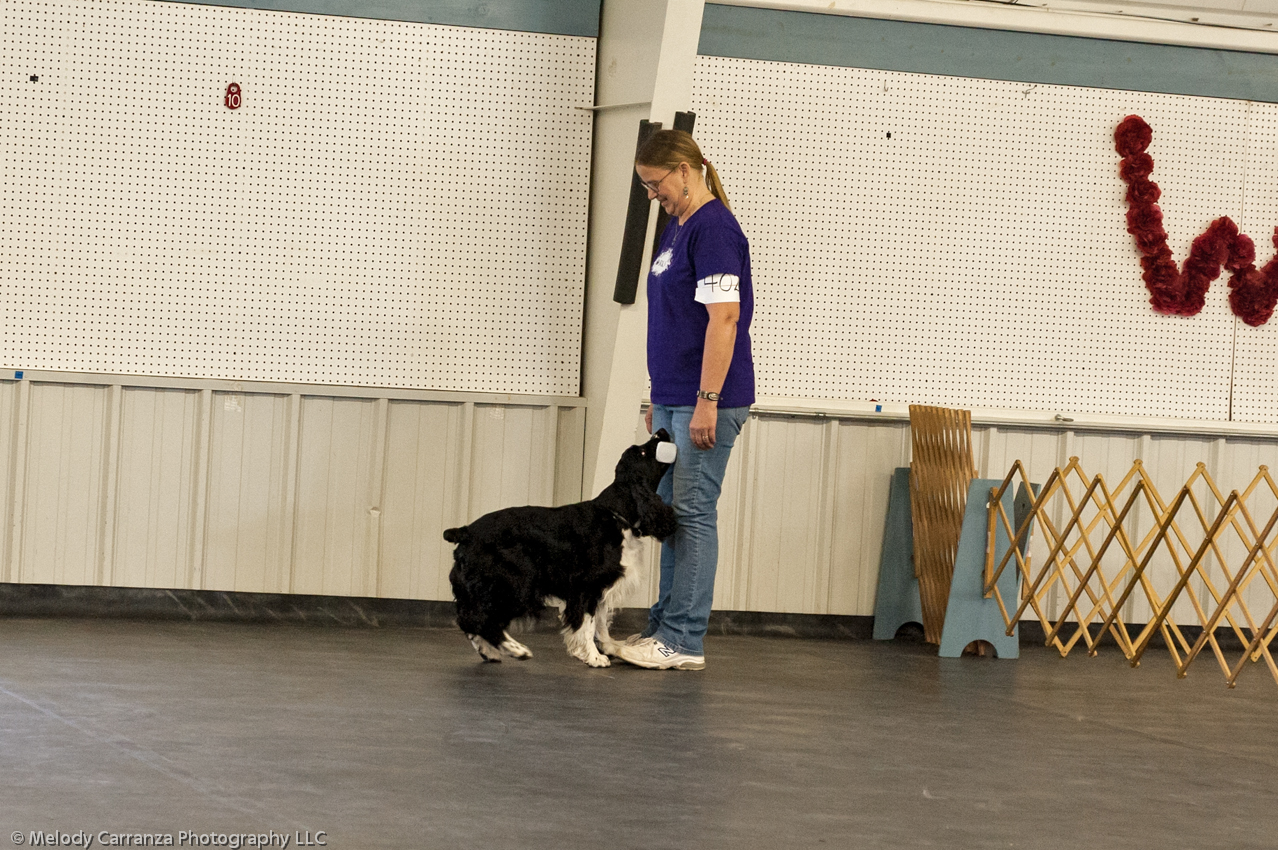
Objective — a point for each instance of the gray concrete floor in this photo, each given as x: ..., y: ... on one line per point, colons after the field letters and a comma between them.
x: 400, y: 738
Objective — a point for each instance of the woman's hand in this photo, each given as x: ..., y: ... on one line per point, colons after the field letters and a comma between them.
x: 704, y: 419
x: 647, y: 419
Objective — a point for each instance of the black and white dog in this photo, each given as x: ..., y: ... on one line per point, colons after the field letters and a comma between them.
x: 511, y: 563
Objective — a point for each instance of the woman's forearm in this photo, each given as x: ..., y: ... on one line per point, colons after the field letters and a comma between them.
x: 721, y: 340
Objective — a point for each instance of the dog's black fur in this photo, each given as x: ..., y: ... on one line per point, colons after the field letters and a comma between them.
x: 510, y: 562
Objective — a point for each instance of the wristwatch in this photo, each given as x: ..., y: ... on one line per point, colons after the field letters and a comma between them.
x: 708, y: 396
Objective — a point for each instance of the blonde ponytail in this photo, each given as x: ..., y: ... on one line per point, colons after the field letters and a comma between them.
x: 716, y: 185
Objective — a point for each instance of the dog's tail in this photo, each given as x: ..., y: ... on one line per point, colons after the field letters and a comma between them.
x: 457, y: 535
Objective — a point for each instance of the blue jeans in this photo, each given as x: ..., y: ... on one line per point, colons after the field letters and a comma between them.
x: 690, y: 556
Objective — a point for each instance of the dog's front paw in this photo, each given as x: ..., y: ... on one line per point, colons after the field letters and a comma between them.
x: 589, y: 655
x: 515, y: 649
x: 486, y: 650
x: 611, y: 648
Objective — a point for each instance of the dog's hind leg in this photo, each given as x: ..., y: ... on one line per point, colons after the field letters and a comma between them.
x: 514, y: 648
x: 581, y: 643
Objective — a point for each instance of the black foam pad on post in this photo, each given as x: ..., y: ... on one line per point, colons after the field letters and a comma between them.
x: 683, y: 121
x: 636, y: 227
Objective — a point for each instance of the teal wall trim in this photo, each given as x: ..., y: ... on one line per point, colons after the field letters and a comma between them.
x: 558, y: 17
x: 816, y: 39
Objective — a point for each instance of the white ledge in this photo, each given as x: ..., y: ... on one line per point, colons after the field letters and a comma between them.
x: 1062, y: 420
x: 247, y: 387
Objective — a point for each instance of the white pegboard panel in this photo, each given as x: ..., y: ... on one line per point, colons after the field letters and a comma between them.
x: 394, y: 204
x: 1256, y: 363
x: 932, y: 239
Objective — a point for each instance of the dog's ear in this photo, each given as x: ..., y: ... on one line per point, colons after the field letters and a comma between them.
x: 656, y: 518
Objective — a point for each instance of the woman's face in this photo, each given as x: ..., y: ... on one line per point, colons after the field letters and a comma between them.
x: 664, y: 184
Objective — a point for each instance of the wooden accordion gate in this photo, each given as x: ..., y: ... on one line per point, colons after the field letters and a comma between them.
x: 940, y: 470
x: 1109, y: 549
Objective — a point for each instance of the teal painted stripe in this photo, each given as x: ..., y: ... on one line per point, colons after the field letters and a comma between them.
x: 558, y: 17
x: 816, y: 39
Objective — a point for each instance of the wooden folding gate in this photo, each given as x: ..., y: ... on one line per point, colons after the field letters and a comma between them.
x: 1101, y: 542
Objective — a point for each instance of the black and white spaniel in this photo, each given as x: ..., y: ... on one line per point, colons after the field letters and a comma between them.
x: 511, y: 563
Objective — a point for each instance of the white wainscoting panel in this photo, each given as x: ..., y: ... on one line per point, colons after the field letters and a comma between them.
x: 804, y: 503
x: 154, y: 527
x: 426, y: 486
x: 220, y: 488
x: 248, y: 528
x: 215, y: 487
x: 62, y: 506
x: 338, y: 497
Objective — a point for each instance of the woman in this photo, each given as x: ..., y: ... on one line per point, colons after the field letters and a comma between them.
x: 700, y: 300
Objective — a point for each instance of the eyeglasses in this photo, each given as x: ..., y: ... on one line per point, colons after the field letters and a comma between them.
x: 655, y: 186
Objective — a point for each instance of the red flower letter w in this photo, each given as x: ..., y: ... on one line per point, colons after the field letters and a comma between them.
x: 1253, y: 292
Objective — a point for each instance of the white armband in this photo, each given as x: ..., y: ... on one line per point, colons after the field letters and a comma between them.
x: 718, y: 288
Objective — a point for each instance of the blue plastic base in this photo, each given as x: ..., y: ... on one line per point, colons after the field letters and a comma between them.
x: 969, y: 615
x: 897, y: 601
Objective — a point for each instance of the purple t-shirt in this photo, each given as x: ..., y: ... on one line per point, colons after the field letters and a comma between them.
x: 705, y: 261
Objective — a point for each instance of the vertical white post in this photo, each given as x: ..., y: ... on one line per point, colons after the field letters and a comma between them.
x: 198, y: 552
x: 286, y: 528
x: 20, y: 449
x: 372, y: 578
x: 108, y: 499
x: 646, y: 53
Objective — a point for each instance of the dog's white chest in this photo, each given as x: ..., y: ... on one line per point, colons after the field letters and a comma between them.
x: 632, y: 551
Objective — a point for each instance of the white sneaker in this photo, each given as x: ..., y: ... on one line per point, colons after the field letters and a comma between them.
x: 634, y: 639
x: 655, y: 655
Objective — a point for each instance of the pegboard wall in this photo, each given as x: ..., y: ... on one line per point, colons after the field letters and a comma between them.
x: 392, y: 204
x: 931, y: 239
x: 1256, y: 363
